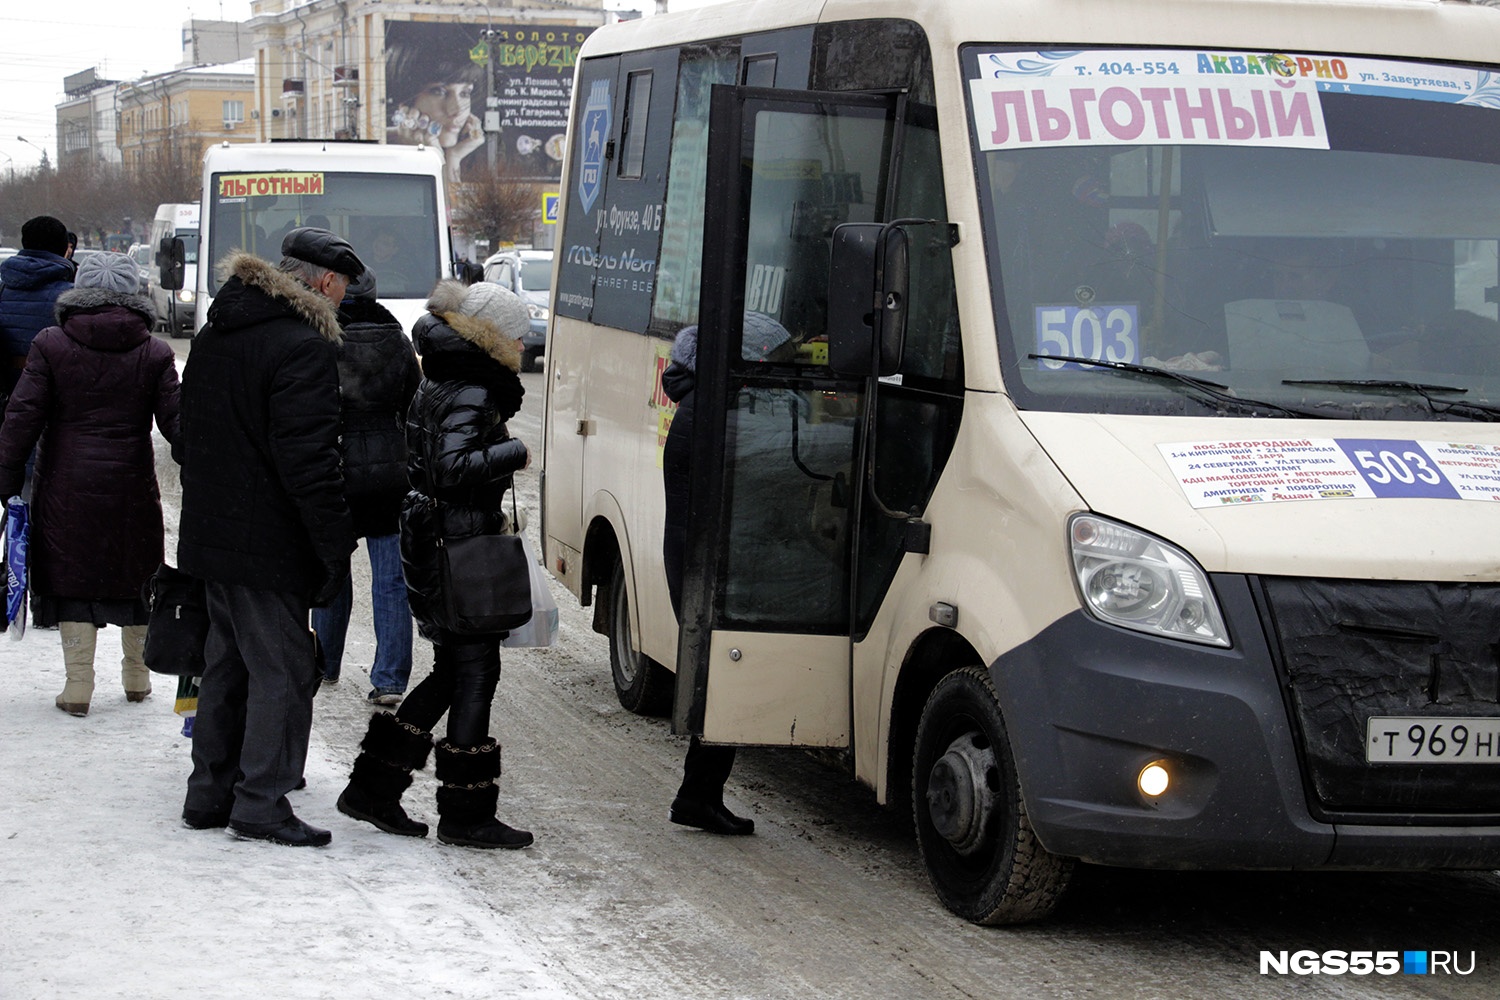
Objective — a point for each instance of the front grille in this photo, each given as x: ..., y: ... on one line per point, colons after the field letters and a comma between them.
x: 1349, y: 650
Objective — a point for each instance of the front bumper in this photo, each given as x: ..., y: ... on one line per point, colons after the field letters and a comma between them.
x: 1089, y: 705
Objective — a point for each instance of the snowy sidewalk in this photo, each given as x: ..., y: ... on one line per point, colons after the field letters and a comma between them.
x: 103, y: 892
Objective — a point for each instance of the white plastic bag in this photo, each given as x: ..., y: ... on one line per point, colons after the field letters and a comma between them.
x: 542, y: 629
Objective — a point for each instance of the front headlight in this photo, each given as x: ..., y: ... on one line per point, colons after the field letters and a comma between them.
x: 184, y: 295
x: 1135, y: 580
x: 537, y: 312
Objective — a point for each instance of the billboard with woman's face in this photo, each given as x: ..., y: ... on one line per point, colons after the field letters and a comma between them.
x: 499, y: 102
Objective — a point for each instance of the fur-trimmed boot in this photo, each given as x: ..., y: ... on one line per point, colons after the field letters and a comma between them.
x: 133, y: 671
x: 390, y: 752
x: 78, y: 642
x: 467, y: 797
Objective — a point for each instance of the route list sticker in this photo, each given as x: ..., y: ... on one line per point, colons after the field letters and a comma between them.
x: 1222, y: 473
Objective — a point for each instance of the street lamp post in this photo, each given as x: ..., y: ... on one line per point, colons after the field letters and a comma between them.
x: 491, y: 140
x: 39, y: 149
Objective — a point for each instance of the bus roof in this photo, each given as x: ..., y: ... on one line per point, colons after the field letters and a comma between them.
x: 1428, y: 29
x: 355, y: 157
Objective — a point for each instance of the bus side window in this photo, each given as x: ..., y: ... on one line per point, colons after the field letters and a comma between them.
x: 633, y: 129
x: 758, y: 71
x: 680, y: 270
x: 932, y: 347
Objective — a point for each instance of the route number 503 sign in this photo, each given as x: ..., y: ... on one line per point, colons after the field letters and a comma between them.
x: 1105, y: 332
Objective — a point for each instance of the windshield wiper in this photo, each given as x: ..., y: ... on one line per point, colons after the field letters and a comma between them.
x: 1202, y: 388
x: 1456, y: 407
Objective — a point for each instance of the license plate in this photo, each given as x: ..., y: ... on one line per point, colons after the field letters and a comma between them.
x: 1397, y: 740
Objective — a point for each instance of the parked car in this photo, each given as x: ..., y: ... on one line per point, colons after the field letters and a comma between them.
x: 141, y: 254
x: 528, y: 273
x: 82, y: 254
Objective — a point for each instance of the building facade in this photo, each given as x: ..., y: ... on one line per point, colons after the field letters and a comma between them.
x: 168, y: 119
x: 86, y: 121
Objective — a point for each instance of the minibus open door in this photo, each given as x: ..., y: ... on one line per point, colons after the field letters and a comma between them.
x: 765, y: 650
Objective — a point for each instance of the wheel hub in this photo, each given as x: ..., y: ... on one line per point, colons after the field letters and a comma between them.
x: 960, y: 797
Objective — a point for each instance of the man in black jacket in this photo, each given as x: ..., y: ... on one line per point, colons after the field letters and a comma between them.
x: 264, y: 524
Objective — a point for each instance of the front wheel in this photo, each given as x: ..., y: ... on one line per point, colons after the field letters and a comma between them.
x: 982, y: 856
x: 642, y: 685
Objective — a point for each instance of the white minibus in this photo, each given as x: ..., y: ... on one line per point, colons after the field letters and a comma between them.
x: 1125, y: 485
x: 387, y: 201
x: 174, y: 307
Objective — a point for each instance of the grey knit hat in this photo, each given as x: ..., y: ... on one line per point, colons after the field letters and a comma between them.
x: 498, y: 306
x: 113, y: 272
x: 763, y: 338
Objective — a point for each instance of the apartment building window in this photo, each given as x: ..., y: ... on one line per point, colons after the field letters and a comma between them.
x: 234, y: 112
x: 76, y: 137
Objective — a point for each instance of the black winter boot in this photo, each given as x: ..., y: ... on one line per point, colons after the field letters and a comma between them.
x: 391, y: 750
x: 467, y: 797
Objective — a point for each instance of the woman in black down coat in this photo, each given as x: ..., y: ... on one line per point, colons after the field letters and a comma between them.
x: 460, y: 462
x: 91, y: 388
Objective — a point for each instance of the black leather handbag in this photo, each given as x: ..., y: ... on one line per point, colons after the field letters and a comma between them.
x: 486, y: 585
x: 176, y: 623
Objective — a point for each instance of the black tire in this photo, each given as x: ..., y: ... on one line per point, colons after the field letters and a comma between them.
x: 982, y: 856
x: 528, y: 360
x: 642, y: 685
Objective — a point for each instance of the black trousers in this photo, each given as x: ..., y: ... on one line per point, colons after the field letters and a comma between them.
x: 255, y: 704
x: 704, y: 771
x: 465, y: 673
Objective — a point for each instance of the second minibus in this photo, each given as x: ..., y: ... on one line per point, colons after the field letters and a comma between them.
x: 387, y: 201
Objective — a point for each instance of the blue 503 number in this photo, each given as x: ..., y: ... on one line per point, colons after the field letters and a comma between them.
x: 1397, y: 468
x: 1105, y: 333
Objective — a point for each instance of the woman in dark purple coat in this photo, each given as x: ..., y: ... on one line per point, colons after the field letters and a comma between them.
x: 90, y: 390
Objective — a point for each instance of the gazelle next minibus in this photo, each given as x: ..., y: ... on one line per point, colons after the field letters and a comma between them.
x: 1124, y: 486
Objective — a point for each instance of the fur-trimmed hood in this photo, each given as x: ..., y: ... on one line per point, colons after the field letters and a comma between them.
x: 254, y: 274
x: 444, y: 304
x: 78, y: 300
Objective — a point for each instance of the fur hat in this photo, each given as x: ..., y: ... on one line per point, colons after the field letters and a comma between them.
x: 497, y: 306
x: 362, y: 287
x: 685, y: 347
x: 113, y: 272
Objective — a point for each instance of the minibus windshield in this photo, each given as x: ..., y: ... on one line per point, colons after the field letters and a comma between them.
x: 388, y: 218
x: 1302, y: 230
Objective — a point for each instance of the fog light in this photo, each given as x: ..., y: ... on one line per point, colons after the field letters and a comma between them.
x: 1153, y: 780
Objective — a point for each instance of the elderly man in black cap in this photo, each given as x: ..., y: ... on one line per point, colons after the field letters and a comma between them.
x: 264, y: 525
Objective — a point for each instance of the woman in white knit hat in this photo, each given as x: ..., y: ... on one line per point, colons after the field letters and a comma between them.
x: 460, y: 460
x: 89, y: 393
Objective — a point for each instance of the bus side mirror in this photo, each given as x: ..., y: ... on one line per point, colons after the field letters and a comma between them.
x: 868, y: 274
x: 173, y: 258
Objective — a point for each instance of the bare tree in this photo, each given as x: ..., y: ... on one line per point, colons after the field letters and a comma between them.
x: 497, y: 208
x: 95, y: 199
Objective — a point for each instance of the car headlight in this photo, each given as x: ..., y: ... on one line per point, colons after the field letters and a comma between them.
x: 537, y: 312
x: 184, y: 295
x: 1137, y: 581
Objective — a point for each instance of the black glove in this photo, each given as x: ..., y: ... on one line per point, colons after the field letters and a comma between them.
x: 331, y: 583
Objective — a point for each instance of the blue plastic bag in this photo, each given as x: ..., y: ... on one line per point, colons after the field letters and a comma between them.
x: 17, y: 541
